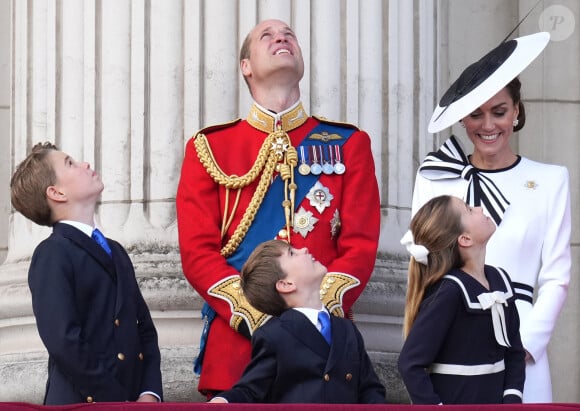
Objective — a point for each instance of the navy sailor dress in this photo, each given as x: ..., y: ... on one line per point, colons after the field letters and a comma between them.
x: 464, y: 346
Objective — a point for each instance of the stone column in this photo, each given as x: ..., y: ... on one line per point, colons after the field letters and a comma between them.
x: 5, y: 112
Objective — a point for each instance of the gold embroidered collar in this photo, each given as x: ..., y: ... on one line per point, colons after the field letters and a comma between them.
x: 266, y: 121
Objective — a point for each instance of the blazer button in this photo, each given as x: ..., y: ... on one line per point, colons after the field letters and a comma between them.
x: 348, y: 376
x: 121, y: 356
x: 326, y: 377
x: 89, y: 399
x: 141, y: 356
x: 117, y: 322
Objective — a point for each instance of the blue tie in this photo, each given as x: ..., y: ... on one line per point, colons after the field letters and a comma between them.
x: 324, y: 321
x: 101, y: 240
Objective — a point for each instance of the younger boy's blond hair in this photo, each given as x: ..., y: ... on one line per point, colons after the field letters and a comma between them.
x: 260, y: 274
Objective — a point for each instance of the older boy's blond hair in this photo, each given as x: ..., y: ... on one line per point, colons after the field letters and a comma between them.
x: 29, y: 183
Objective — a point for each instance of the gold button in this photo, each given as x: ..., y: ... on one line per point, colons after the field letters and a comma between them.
x: 89, y: 399
x: 348, y: 376
x: 326, y: 377
x: 117, y: 322
x: 121, y: 356
x: 141, y: 356
x: 283, y: 233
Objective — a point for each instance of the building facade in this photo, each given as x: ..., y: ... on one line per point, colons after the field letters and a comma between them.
x: 123, y: 84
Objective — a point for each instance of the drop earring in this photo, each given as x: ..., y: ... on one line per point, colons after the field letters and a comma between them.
x: 515, y: 122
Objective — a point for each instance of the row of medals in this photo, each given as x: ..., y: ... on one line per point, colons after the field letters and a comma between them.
x: 328, y: 155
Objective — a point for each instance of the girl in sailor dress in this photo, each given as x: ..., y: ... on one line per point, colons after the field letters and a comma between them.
x: 461, y: 325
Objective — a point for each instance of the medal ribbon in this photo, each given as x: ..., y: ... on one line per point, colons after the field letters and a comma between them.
x: 451, y: 162
x: 302, y: 155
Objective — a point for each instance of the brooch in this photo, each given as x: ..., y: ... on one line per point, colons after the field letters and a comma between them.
x: 319, y: 197
x: 531, y: 185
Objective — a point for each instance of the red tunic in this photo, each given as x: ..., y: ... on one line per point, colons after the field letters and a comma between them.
x: 200, y: 205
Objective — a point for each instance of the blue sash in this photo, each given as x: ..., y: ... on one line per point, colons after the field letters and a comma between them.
x: 268, y: 220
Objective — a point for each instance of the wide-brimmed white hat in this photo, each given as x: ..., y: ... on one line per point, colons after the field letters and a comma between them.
x: 485, y: 78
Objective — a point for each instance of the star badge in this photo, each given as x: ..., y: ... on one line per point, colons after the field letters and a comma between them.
x: 319, y: 197
x: 279, y: 146
x: 304, y: 222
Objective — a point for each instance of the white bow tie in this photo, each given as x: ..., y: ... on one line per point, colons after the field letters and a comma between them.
x: 496, y: 300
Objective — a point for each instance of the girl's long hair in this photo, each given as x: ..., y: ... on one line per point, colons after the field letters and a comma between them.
x: 436, y: 226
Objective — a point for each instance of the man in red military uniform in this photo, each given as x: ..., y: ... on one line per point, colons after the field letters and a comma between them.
x: 277, y: 174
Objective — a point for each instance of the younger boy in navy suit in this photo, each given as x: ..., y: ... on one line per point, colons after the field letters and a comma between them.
x: 90, y: 314
x: 292, y: 360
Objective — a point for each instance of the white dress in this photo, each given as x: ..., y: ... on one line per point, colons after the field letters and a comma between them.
x: 532, y: 243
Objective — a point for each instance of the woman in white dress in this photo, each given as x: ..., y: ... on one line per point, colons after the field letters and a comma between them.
x: 528, y: 200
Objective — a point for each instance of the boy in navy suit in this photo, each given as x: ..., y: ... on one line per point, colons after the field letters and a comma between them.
x: 90, y: 314
x: 292, y: 361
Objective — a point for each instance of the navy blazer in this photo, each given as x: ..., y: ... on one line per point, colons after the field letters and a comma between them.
x: 93, y: 320
x: 292, y: 363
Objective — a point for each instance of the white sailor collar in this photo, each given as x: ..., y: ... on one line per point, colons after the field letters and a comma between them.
x: 471, y: 289
x: 492, y: 301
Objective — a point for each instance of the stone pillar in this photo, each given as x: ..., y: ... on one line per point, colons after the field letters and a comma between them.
x: 5, y: 112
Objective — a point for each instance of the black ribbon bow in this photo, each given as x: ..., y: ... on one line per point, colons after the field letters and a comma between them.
x: 451, y: 162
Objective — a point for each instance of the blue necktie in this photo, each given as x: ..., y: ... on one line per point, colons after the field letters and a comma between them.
x: 101, y: 240
x: 324, y: 321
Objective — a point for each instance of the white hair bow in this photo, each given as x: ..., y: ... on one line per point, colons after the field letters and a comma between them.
x: 419, y: 252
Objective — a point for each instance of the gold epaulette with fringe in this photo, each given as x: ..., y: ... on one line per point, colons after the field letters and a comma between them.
x: 229, y: 289
x: 332, y: 290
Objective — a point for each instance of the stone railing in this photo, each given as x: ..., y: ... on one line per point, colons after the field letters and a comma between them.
x: 175, y: 308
